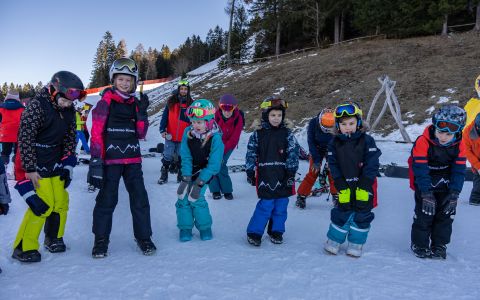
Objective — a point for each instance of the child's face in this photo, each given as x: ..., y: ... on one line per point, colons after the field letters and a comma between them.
x: 275, y: 117
x: 123, y: 82
x: 348, y: 125
x: 227, y: 114
x: 444, y: 137
x: 183, y: 91
x: 199, y: 126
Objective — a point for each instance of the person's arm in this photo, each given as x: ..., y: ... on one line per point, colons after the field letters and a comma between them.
x: 31, y: 121
x: 371, y: 158
x: 470, y: 153
x: 164, y: 120
x: 291, y: 163
x: 312, y: 145
x: 69, y: 144
x: 99, y: 121
x: 458, y: 166
x: 234, y: 138
x: 420, y: 165
x: 251, y: 155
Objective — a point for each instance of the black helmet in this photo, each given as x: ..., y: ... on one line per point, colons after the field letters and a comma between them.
x: 67, y: 84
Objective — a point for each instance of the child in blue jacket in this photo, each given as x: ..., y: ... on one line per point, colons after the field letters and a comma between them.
x: 202, y: 152
x: 353, y: 159
x: 273, y: 151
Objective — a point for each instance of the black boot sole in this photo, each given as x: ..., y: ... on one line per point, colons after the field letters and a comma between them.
x: 55, y: 249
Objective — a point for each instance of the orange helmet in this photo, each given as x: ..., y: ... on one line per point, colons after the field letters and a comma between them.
x: 327, y: 119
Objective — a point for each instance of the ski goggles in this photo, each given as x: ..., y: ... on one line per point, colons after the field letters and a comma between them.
x: 183, y: 82
x: 227, y: 107
x: 347, y: 110
x: 71, y: 94
x: 199, y: 112
x: 274, y: 103
x: 122, y: 63
x: 447, y: 126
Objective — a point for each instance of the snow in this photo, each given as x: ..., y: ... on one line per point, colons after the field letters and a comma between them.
x: 227, y: 267
x: 206, y: 67
x: 442, y: 100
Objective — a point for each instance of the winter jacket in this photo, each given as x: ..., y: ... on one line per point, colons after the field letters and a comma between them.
x: 472, y: 108
x: 273, y: 153
x: 317, y: 140
x: 46, y: 135
x: 117, y: 126
x: 79, y: 121
x: 436, y: 167
x: 174, y: 120
x: 354, y: 162
x: 201, y: 159
x: 471, y: 140
x: 231, y: 128
x: 10, y: 113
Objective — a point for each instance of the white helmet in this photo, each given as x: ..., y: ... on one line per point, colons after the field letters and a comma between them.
x: 125, y: 66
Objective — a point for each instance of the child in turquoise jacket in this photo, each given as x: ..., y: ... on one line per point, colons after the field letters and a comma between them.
x: 202, y: 152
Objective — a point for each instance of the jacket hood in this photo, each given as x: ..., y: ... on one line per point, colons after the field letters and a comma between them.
x: 259, y: 124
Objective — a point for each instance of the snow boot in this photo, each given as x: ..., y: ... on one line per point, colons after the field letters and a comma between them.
x: 185, y: 235
x: 420, y: 252
x: 439, y: 252
x: 354, y: 250
x: 100, y: 248
x: 301, y: 203
x: 331, y: 247
x: 216, y: 195
x: 276, y: 237
x: 54, y: 245
x: 254, y: 239
x: 147, y: 246
x: 228, y: 196
x: 29, y: 256
x: 206, y: 234
x: 163, y: 175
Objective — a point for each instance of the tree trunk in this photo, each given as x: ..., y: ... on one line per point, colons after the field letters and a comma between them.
x: 278, y: 9
x: 336, y: 37
x: 342, y: 27
x: 477, y: 20
x: 317, y: 33
x: 445, y: 25
x: 232, y: 10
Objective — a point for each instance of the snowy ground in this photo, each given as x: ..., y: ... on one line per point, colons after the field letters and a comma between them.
x: 227, y: 267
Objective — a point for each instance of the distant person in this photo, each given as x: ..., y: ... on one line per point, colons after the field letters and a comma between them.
x: 202, y: 151
x: 319, y: 133
x: 173, y: 123
x: 438, y: 163
x: 5, y: 198
x: 473, y: 105
x: 271, y: 163
x: 119, y: 120
x: 471, y: 139
x: 44, y: 166
x: 10, y: 113
x: 80, y: 124
x: 353, y: 159
x: 230, y: 120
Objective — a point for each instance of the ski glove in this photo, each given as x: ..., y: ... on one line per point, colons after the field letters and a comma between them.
x: 289, y: 179
x: 428, y: 203
x: 182, y: 188
x: 95, y: 173
x: 195, y: 192
x: 68, y: 163
x: 451, y: 207
x: 361, y: 195
x: 344, y: 196
x: 27, y: 191
x: 251, y: 177
x: 4, y: 208
x: 143, y: 104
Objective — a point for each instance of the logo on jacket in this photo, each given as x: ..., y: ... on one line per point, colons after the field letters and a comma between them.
x: 267, y: 185
x: 118, y: 148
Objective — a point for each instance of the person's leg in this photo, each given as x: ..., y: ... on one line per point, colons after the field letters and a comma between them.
x: 422, y: 225
x: 224, y: 179
x: 260, y: 217
x: 475, y: 194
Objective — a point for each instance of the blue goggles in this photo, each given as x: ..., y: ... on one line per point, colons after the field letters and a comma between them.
x: 447, y: 126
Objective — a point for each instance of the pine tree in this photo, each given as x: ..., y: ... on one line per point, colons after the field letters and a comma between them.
x: 121, y: 50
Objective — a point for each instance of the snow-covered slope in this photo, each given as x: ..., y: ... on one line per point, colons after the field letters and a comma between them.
x: 227, y: 267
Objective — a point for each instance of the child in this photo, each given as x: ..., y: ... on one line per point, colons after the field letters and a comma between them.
x: 229, y: 119
x: 273, y: 151
x: 4, y: 193
x: 471, y: 139
x: 438, y: 164
x: 319, y: 134
x: 201, y: 151
x: 80, y: 135
x: 353, y: 159
x: 118, y: 122
x: 173, y: 123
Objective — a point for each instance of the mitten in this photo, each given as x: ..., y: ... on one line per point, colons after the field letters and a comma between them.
x: 452, y: 199
x: 95, y: 173
x: 251, y: 177
x: 195, y: 192
x: 428, y: 203
x: 68, y: 163
x: 182, y: 187
x: 27, y: 191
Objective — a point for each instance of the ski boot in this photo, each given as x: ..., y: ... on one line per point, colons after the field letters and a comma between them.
x: 29, y: 256
x: 331, y: 247
x: 147, y: 246
x: 276, y: 237
x: 206, y: 234
x: 420, y: 252
x: 54, y: 245
x: 439, y: 252
x: 354, y: 250
x: 164, y: 175
x: 254, y: 239
x: 185, y: 235
x: 100, y: 248
x: 301, y: 203
x: 216, y: 195
x: 228, y: 196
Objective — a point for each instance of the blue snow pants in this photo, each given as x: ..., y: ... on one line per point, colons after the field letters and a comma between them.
x: 349, y: 224
x: 222, y: 182
x: 81, y: 136
x: 274, y: 210
x: 190, y: 213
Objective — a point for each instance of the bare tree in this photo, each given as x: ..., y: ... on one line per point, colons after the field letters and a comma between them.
x: 180, y: 65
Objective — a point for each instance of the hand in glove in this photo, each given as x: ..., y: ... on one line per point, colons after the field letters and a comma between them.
x: 452, y: 199
x: 251, y: 177
x: 428, y: 203
x: 195, y: 192
x: 143, y: 104
x: 4, y: 208
x: 361, y: 195
x: 68, y: 163
x: 27, y: 191
x: 182, y: 188
x: 95, y: 173
x: 344, y: 196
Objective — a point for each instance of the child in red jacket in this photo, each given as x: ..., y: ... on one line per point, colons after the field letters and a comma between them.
x: 10, y: 112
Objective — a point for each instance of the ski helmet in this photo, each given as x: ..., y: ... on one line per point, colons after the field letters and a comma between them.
x: 228, y: 102
x: 124, y: 66
x: 201, y: 109
x: 270, y: 103
x: 183, y: 82
x: 67, y: 85
x: 326, y: 120
x: 449, y: 118
x: 477, y: 85
x: 348, y: 109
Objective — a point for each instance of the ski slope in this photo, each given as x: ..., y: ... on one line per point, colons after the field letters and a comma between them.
x: 227, y: 267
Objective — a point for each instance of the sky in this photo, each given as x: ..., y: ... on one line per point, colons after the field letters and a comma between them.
x: 39, y: 38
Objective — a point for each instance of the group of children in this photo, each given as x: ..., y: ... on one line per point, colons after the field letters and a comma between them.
x: 204, y: 138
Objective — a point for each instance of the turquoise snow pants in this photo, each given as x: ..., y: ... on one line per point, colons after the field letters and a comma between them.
x: 190, y: 213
